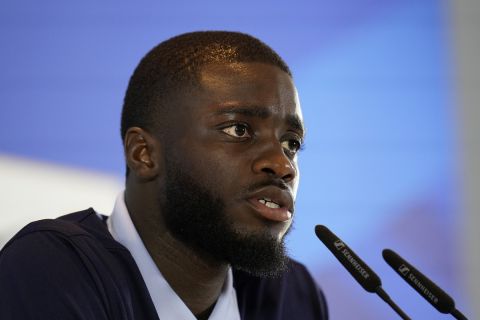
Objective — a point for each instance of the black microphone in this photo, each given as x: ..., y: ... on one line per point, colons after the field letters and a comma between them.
x: 424, y: 286
x: 356, y: 267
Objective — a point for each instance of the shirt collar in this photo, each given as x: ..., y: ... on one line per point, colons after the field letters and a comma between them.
x: 168, y: 304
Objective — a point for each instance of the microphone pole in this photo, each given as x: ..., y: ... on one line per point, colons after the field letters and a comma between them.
x: 424, y: 286
x: 356, y: 267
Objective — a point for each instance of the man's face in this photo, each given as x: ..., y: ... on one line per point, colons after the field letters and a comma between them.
x: 231, y: 166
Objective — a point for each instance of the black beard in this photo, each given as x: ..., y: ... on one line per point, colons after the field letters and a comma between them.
x: 197, y: 218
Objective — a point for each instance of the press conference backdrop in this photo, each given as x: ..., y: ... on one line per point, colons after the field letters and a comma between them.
x: 388, y: 90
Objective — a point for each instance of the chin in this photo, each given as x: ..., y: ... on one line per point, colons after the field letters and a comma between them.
x: 274, y: 230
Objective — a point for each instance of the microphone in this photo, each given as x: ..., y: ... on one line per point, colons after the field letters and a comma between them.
x: 356, y: 267
x: 424, y: 286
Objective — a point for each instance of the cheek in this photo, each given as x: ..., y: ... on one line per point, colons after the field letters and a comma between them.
x: 215, y: 169
x: 225, y: 175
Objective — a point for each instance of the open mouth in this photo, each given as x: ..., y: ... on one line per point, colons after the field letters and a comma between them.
x: 272, y: 203
x: 270, y: 209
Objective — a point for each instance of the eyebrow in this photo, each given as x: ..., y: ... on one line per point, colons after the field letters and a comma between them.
x: 262, y: 113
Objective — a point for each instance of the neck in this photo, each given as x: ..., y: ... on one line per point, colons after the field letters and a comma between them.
x: 196, y: 278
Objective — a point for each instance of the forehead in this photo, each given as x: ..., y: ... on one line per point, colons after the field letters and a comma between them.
x: 248, y: 84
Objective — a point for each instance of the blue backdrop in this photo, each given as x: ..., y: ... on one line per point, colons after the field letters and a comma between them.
x: 374, y: 78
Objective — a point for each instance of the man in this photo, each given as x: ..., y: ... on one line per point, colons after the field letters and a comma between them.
x: 211, y: 126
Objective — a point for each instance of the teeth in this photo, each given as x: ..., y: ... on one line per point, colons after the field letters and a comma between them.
x: 272, y: 205
x: 269, y: 203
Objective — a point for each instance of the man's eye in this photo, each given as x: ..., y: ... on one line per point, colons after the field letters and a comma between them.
x: 292, y: 146
x: 237, y: 131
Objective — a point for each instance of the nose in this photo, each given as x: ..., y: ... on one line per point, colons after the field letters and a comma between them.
x: 274, y: 162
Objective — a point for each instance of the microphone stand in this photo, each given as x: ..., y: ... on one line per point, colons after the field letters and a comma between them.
x: 458, y: 315
x: 385, y: 297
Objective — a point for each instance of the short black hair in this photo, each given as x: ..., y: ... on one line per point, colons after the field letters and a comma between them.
x: 175, y: 63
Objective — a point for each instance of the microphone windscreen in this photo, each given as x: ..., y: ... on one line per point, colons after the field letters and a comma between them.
x: 418, y: 281
x: 355, y: 266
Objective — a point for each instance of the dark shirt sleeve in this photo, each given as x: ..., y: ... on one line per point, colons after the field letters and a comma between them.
x: 43, y: 277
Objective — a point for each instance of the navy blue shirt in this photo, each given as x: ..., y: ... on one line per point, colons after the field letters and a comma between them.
x: 72, y: 268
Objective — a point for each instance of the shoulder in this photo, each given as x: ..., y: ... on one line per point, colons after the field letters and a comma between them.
x: 68, y: 225
x: 70, y: 242
x: 52, y: 261
x: 86, y: 223
x: 293, y: 294
x: 70, y: 268
x: 54, y: 243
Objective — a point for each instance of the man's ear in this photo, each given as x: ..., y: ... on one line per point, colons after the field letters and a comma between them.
x: 142, y: 153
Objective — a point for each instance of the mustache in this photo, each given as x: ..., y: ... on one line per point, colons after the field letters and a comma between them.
x: 279, y: 183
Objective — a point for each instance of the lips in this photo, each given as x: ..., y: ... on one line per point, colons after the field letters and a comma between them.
x: 272, y: 203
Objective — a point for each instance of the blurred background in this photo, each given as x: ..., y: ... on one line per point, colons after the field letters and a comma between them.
x: 389, y: 90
